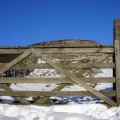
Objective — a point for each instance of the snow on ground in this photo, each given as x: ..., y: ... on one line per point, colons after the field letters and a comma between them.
x: 59, y: 112
x: 71, y: 111
x: 104, y: 73
x: 38, y: 73
x: 51, y: 73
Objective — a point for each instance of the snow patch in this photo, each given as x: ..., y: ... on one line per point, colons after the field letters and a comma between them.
x: 59, y: 112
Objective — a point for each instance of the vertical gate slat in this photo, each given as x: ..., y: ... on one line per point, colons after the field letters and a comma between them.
x: 117, y: 58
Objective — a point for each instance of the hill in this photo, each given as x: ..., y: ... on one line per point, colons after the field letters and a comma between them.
x: 68, y: 43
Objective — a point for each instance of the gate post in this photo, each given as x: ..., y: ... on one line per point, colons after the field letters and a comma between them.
x: 117, y: 58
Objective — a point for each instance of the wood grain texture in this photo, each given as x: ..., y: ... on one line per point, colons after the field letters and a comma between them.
x: 117, y: 57
x: 60, y: 50
x: 71, y: 66
x: 55, y: 80
x: 52, y: 93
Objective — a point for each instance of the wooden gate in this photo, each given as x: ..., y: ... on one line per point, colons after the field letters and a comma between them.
x: 65, y: 66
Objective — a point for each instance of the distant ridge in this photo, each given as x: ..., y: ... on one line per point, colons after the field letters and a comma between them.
x: 68, y: 43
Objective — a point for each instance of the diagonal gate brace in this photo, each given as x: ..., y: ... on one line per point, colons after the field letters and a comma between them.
x: 61, y: 69
x: 11, y: 64
x: 15, y: 61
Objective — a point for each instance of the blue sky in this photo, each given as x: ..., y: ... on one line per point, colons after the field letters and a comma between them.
x: 23, y: 22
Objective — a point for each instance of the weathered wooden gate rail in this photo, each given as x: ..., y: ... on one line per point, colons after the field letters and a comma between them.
x: 85, y: 49
x: 44, y: 51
